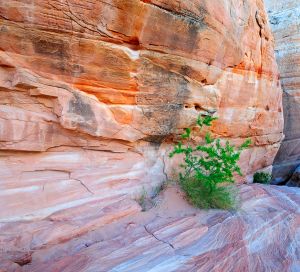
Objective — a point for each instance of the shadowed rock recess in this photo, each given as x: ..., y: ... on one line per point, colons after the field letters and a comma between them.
x: 93, y: 95
x: 284, y: 17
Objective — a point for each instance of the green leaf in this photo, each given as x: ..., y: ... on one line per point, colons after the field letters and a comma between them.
x: 200, y: 121
x: 208, y: 120
x: 187, y: 133
x: 208, y: 138
x: 245, y: 144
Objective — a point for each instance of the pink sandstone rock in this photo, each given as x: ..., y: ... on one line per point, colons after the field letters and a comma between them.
x: 263, y: 235
x: 93, y: 94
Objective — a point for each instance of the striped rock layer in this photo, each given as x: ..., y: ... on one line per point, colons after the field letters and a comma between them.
x: 263, y: 235
x: 94, y: 93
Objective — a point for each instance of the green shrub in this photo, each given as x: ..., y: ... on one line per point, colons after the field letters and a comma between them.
x: 222, y: 197
x: 208, y: 168
x: 261, y: 177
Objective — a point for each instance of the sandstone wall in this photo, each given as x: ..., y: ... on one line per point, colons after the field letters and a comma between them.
x: 285, y: 22
x: 94, y: 92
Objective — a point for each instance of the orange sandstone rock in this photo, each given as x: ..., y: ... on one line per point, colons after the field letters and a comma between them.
x: 92, y: 94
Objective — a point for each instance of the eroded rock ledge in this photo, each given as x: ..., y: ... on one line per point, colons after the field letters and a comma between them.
x: 92, y: 94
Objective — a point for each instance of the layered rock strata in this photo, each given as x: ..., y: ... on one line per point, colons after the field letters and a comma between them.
x: 262, y: 236
x: 284, y: 19
x: 93, y: 94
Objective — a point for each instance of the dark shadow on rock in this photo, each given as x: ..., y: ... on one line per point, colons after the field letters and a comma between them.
x: 288, y: 156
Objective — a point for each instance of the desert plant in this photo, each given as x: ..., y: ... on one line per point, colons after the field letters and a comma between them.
x: 222, y: 197
x: 262, y: 177
x: 208, y: 167
x: 158, y: 189
x: 141, y: 200
x: 149, y: 200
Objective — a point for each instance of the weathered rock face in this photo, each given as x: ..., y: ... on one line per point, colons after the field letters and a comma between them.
x: 284, y: 16
x: 294, y: 181
x: 92, y: 94
x: 262, y: 236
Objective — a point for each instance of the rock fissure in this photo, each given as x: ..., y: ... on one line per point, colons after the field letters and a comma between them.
x: 84, y: 185
x: 153, y: 235
x: 185, y: 16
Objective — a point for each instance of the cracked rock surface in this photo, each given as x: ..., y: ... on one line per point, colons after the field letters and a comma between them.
x: 263, y: 235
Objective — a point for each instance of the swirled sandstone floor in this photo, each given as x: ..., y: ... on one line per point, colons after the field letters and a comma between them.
x: 263, y: 235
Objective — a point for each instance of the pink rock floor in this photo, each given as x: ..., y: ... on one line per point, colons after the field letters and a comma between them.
x: 263, y: 235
